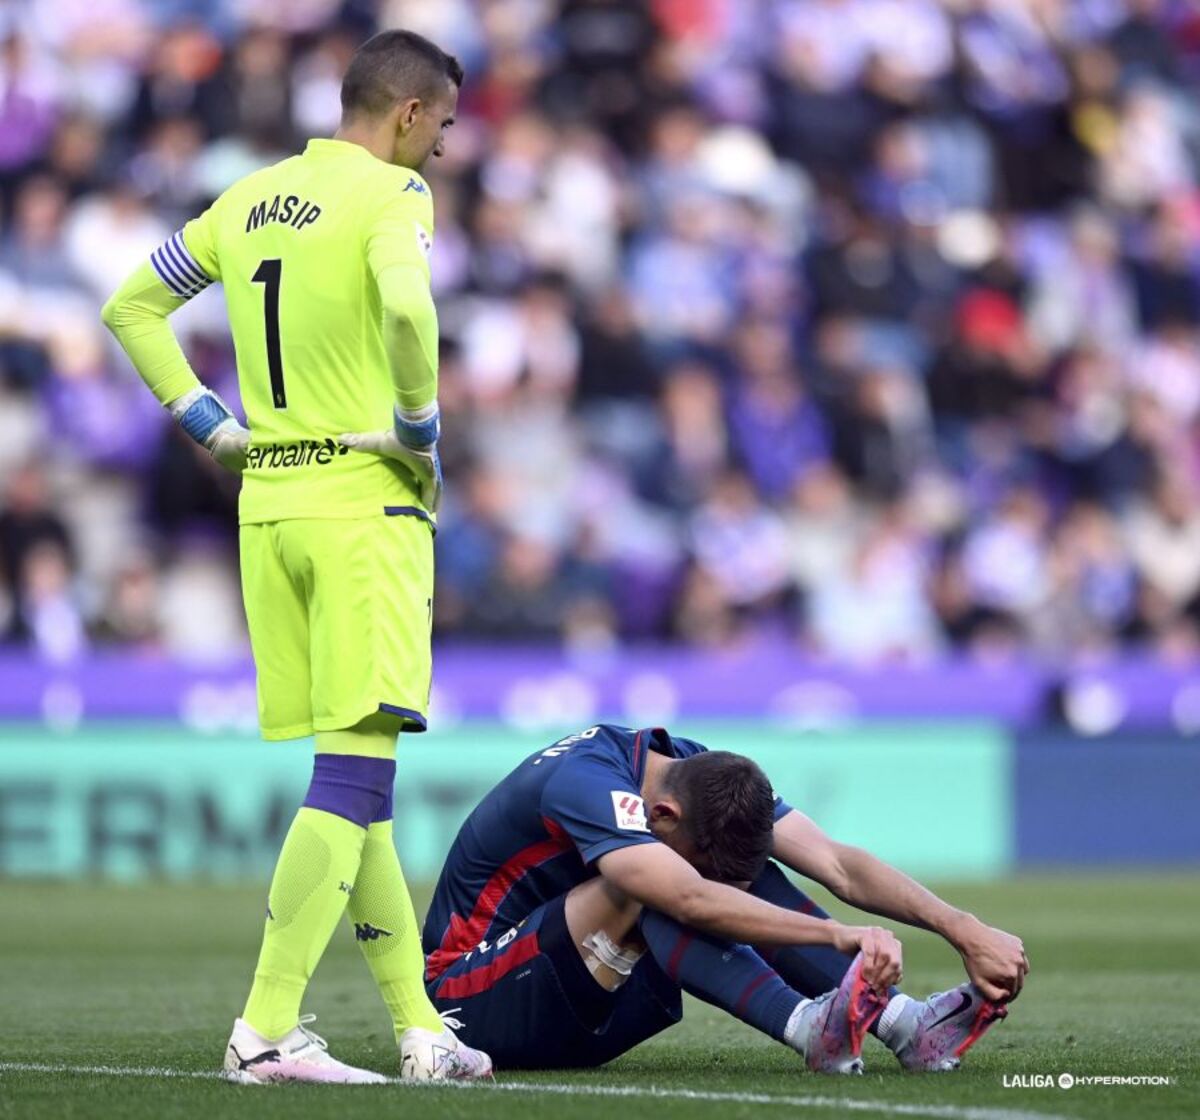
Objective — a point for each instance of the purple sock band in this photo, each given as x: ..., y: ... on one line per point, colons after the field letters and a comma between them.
x: 351, y: 786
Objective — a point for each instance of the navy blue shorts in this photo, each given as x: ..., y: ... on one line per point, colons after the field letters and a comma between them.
x: 530, y: 1002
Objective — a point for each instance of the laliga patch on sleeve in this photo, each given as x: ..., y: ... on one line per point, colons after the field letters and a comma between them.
x: 424, y: 241
x: 629, y: 810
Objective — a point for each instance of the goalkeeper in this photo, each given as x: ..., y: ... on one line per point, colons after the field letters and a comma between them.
x: 324, y: 261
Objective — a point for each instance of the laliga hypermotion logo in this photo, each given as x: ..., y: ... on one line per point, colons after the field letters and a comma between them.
x: 629, y: 811
x: 1071, y: 1081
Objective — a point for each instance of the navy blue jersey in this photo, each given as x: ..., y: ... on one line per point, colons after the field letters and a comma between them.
x: 540, y: 832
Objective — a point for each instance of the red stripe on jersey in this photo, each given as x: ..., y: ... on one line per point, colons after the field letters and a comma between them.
x: 480, y: 979
x: 637, y: 750
x: 462, y: 936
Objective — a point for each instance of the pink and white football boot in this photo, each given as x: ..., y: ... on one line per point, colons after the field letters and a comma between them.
x: 829, y: 1030
x: 441, y: 1056
x: 301, y: 1055
x: 934, y: 1035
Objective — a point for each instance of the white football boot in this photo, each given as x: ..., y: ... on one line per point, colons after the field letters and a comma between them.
x: 301, y: 1055
x: 430, y: 1056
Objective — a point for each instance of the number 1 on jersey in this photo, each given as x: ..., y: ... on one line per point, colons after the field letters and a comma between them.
x: 268, y: 274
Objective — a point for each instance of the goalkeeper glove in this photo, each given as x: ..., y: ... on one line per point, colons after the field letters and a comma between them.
x: 412, y: 440
x: 207, y: 419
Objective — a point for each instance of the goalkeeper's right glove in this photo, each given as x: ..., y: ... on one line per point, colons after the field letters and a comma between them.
x: 208, y: 420
x: 412, y: 440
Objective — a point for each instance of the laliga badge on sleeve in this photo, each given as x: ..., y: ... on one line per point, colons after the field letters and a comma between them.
x: 424, y: 241
x: 629, y: 810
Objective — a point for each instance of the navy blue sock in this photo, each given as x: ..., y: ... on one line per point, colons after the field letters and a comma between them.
x: 730, y: 976
x: 812, y: 970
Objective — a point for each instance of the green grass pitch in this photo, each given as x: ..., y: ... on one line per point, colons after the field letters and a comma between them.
x: 115, y: 980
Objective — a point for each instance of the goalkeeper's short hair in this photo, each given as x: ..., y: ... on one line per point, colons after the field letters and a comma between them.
x: 393, y: 66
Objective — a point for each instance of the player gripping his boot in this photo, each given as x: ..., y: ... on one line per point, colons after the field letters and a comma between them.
x: 598, y: 880
x: 324, y: 262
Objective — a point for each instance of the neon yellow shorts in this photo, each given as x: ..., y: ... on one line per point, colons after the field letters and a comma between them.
x: 340, y: 614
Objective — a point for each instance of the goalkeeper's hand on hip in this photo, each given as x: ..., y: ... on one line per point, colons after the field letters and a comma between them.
x: 412, y: 440
x: 209, y: 421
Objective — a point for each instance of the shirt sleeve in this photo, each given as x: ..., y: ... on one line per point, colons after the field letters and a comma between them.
x: 186, y: 262
x: 136, y: 314
x: 399, y: 240
x: 782, y: 808
x: 200, y: 240
x: 400, y: 230
x: 597, y: 806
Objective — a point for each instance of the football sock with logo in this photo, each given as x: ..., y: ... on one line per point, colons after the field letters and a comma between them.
x: 812, y: 970
x: 730, y: 976
x: 380, y: 901
x: 387, y: 930
x: 312, y: 883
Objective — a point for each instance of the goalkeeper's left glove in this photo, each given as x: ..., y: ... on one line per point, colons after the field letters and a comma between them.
x: 412, y: 440
x: 208, y: 420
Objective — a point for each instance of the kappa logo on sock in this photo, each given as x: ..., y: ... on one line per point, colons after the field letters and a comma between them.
x: 368, y: 932
x: 344, y: 886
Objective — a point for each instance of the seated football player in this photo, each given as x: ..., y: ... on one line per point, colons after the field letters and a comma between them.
x: 618, y: 868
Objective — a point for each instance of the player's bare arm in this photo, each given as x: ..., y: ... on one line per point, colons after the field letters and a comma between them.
x: 659, y: 879
x: 995, y: 960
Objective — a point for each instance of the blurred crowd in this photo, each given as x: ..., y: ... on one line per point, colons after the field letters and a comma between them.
x: 870, y: 326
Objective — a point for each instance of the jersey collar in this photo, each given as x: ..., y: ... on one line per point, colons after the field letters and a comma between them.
x: 321, y: 145
x: 655, y: 739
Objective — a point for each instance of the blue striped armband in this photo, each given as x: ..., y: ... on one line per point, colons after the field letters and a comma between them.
x: 178, y: 269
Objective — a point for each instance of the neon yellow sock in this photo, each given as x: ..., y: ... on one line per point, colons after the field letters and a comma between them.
x: 311, y: 886
x: 387, y: 932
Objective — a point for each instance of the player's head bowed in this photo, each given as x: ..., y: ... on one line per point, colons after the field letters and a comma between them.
x: 400, y: 83
x: 717, y: 810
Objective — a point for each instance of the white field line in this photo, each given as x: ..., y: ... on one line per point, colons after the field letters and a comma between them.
x: 845, y: 1104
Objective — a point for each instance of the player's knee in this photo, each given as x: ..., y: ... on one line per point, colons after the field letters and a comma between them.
x: 380, y: 723
x: 373, y: 737
x: 611, y: 964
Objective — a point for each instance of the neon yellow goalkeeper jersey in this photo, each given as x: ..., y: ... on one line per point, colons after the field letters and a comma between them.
x: 297, y: 247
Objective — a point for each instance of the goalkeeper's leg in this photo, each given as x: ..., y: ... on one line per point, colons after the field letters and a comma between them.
x: 380, y: 907
x: 388, y: 934
x: 314, y: 877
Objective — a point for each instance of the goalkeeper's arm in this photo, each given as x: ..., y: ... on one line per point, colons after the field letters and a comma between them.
x: 410, y: 336
x: 136, y: 314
